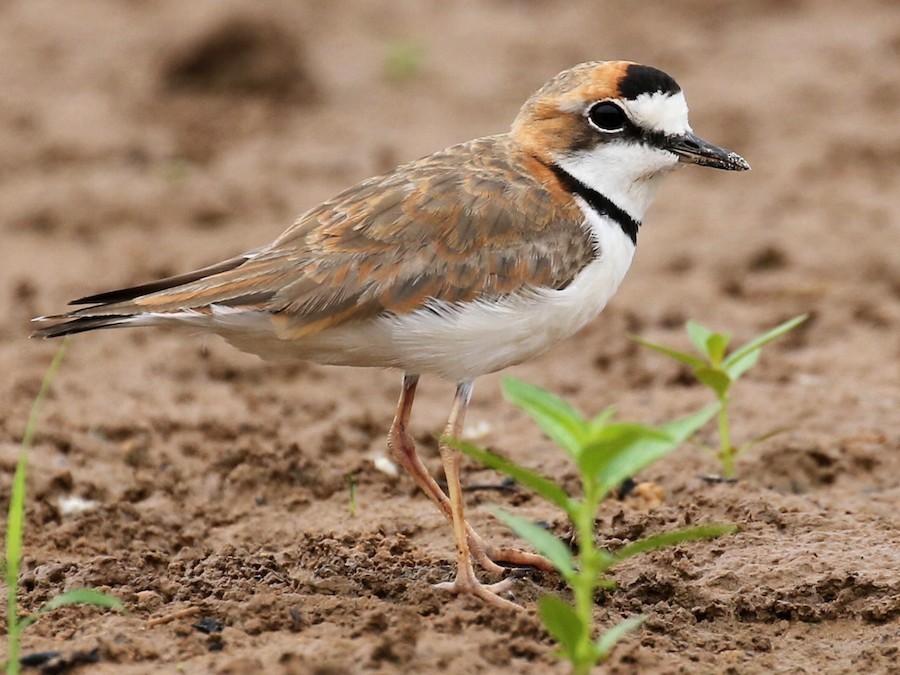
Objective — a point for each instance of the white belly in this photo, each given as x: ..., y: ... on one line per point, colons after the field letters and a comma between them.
x: 463, y: 341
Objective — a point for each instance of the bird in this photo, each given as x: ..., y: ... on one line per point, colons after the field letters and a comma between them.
x: 462, y: 263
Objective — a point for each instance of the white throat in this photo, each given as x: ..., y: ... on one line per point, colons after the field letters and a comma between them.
x: 627, y: 174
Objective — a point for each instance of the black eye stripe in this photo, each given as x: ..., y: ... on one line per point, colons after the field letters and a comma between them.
x: 627, y: 130
x: 655, y: 138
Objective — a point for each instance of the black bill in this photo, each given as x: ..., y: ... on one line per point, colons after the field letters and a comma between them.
x: 694, y: 150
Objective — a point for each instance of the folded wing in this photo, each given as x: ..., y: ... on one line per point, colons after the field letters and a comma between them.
x: 476, y: 221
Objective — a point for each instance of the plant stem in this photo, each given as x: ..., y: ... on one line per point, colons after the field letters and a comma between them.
x: 16, y: 519
x: 726, y: 451
x: 584, y: 583
x: 14, y: 530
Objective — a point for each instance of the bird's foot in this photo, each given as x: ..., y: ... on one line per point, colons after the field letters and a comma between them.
x: 467, y: 584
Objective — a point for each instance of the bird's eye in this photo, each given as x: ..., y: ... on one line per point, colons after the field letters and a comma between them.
x: 607, y: 117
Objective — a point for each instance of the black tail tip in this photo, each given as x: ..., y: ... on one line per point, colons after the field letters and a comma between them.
x: 77, y: 325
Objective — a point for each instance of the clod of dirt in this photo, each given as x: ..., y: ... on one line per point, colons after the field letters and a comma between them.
x: 768, y: 258
x: 398, y: 637
x: 245, y: 58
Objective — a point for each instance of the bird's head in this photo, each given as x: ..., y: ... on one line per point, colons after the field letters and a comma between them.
x: 617, y: 127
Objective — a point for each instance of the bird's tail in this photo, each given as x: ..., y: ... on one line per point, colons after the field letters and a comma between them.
x: 138, y: 305
x: 78, y: 325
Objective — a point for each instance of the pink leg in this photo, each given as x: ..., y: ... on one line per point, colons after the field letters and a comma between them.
x: 403, y: 447
x: 466, y: 581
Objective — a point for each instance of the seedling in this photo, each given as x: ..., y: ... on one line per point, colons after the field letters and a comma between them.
x: 403, y: 60
x: 15, y: 528
x: 605, y: 454
x: 720, y: 372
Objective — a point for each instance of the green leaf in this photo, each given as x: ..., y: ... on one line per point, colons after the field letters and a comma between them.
x: 83, y: 596
x: 716, y: 346
x: 683, y: 428
x: 699, y: 336
x: 715, y: 379
x: 605, y: 583
x: 645, y: 448
x: 546, y: 544
x: 16, y: 512
x: 611, y: 637
x: 599, y: 559
x: 15, y: 525
x: 658, y: 541
x: 560, y: 421
x: 610, y: 443
x: 562, y: 623
x: 79, y: 596
x: 689, y: 359
x: 403, y: 60
x: 543, y: 486
x: 737, y: 368
x: 759, y: 342
x: 15, y: 521
x: 759, y: 439
x: 26, y: 621
x: 596, y: 425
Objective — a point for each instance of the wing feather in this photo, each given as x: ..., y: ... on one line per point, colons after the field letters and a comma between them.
x: 477, y: 221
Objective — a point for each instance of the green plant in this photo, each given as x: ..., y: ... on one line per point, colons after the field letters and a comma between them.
x: 605, y: 454
x: 403, y: 60
x: 15, y: 529
x: 719, y: 372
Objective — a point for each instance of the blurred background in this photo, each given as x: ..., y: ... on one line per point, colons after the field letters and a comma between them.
x: 142, y: 138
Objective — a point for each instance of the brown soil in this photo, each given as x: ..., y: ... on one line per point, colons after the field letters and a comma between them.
x: 141, y: 139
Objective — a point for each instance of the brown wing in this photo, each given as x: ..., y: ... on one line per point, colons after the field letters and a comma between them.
x: 478, y: 220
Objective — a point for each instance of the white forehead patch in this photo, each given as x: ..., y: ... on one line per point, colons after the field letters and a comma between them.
x: 659, y: 111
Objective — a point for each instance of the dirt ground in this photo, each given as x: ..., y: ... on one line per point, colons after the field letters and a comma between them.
x: 140, y: 139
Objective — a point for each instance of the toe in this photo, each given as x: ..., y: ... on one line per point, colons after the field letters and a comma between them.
x: 486, y: 592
